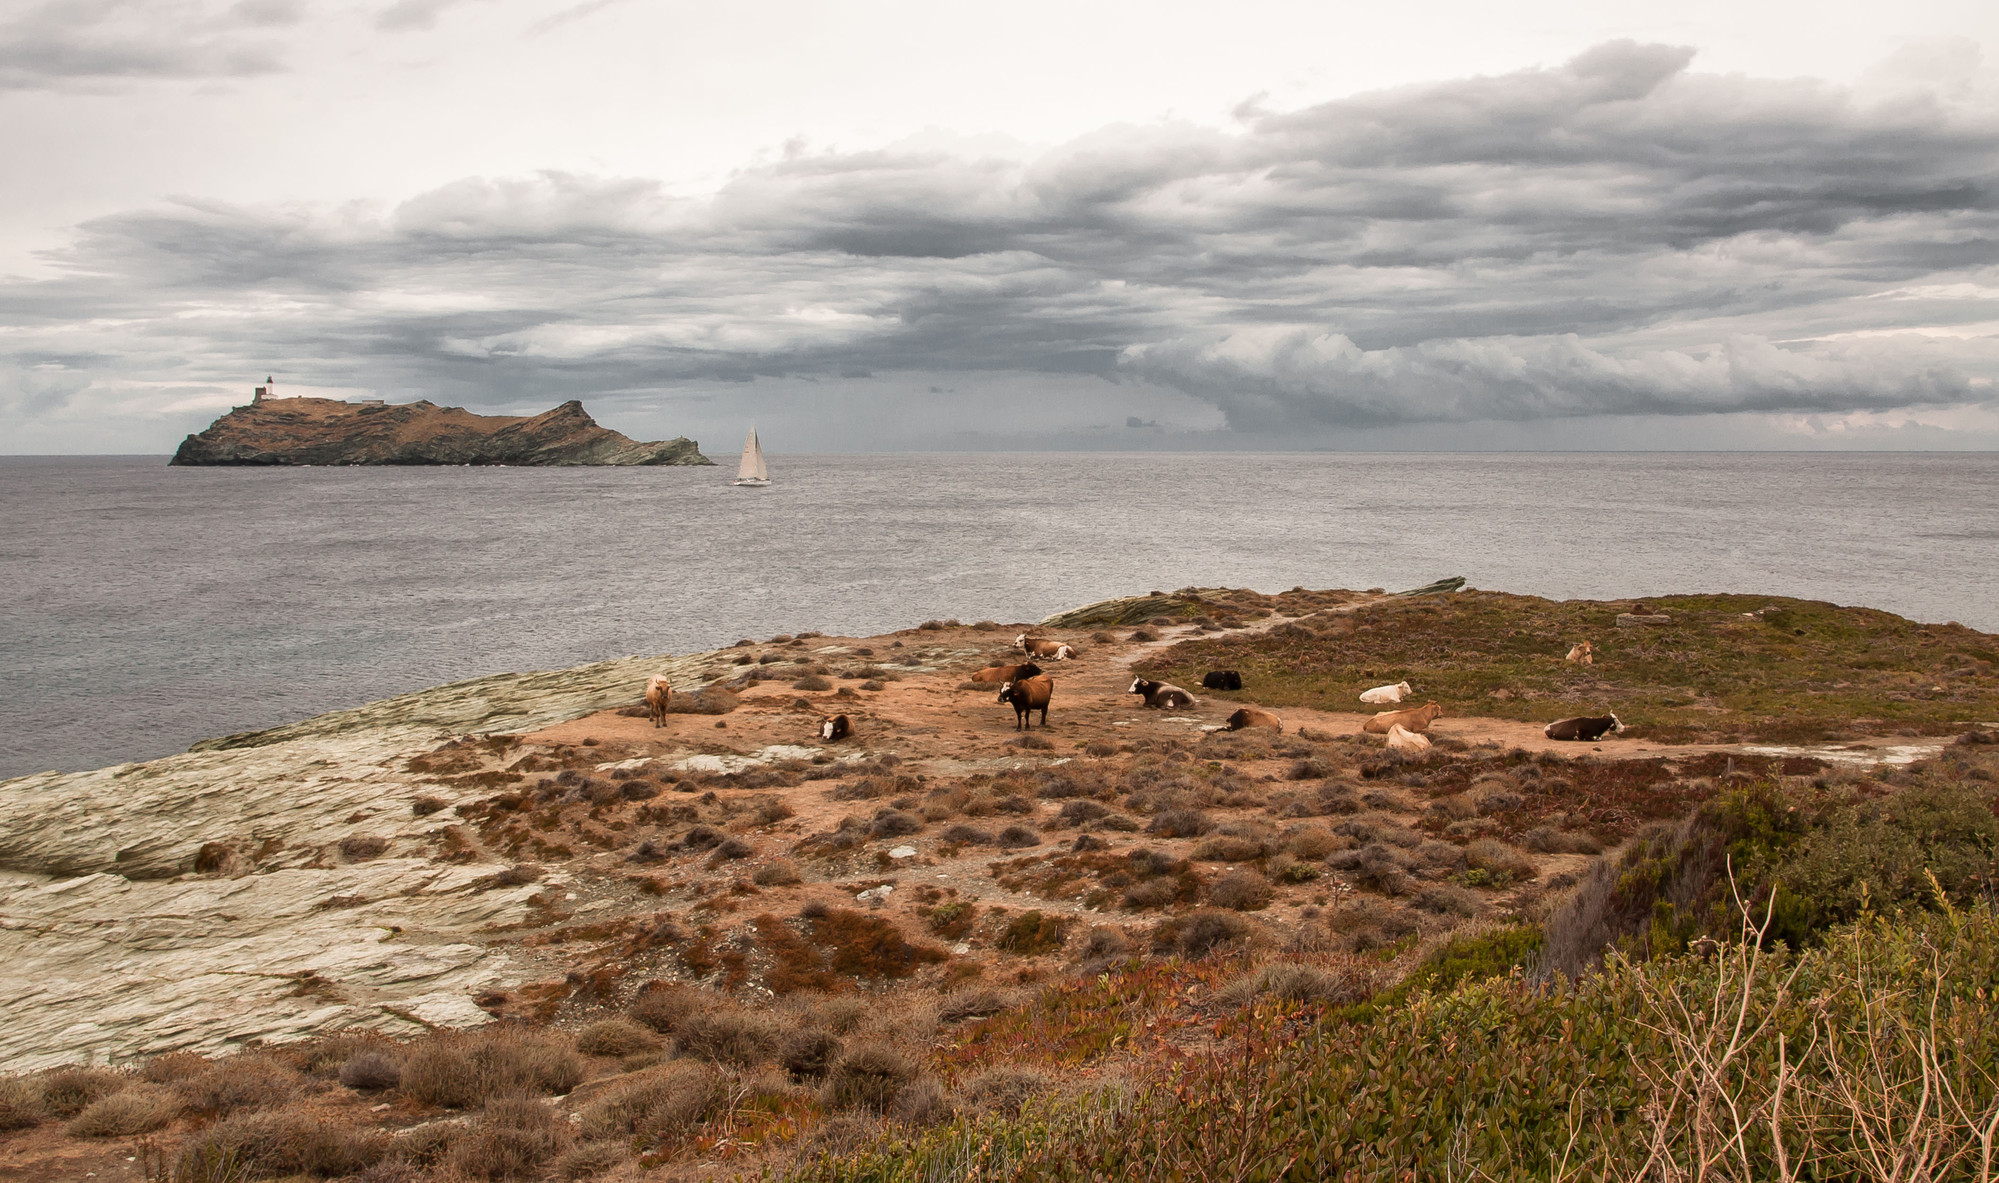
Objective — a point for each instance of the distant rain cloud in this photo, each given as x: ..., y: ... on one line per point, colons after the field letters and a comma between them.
x: 1616, y: 235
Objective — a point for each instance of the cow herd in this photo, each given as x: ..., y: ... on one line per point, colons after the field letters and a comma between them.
x: 1025, y: 687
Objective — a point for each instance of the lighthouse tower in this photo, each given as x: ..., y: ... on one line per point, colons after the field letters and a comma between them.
x: 268, y: 390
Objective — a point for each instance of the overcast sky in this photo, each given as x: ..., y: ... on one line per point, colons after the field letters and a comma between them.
x: 940, y: 225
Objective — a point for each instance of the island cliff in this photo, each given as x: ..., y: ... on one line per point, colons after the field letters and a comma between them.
x: 295, y: 431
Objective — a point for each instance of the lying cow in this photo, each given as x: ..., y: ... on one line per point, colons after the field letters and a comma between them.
x: 1387, y: 693
x: 659, y: 695
x: 1037, y: 647
x: 1401, y: 739
x: 1221, y: 680
x: 1583, y: 653
x: 836, y: 728
x: 1161, y: 695
x: 1583, y: 728
x: 1254, y: 717
x: 1413, y: 719
x: 999, y: 675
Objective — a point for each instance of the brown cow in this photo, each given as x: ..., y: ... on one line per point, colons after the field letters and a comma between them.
x: 659, y: 694
x: 1254, y: 717
x: 1583, y: 653
x: 995, y: 675
x: 1417, y: 719
x: 1027, y: 696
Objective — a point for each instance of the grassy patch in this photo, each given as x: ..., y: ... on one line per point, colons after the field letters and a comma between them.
x: 1728, y: 667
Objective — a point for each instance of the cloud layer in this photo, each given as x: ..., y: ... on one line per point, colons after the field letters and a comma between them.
x: 1615, y: 236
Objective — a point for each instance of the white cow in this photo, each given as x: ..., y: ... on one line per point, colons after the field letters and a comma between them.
x: 1387, y: 693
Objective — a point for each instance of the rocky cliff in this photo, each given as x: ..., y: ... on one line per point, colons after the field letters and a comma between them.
x: 326, y: 431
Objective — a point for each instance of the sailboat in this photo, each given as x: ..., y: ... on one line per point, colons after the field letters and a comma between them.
x: 751, y: 472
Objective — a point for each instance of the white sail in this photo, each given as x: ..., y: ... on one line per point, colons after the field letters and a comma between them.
x: 751, y: 470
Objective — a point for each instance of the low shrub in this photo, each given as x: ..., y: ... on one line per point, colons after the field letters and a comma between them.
x: 812, y: 682
x: 952, y: 920
x: 1003, y: 1091
x: 1348, y: 982
x: 1228, y: 848
x: 1446, y: 899
x: 920, y: 1104
x: 1369, y: 923
x: 465, y: 1071
x: 1503, y: 862
x: 67, y: 1092
x: 727, y: 1034
x: 589, y: 1160
x: 1547, y: 840
x: 425, y: 806
x: 21, y: 1105
x: 1032, y: 742
x: 1241, y: 891
x: 1180, y: 823
x: 730, y: 850
x: 703, y: 837
x: 138, y: 1108
x: 253, y: 1145
x: 513, y: 1138
x: 968, y: 835
x: 372, y: 1072
x: 615, y: 1037
x: 861, y: 945
x: 1200, y: 933
x: 776, y: 873
x: 663, y: 1005
x: 248, y: 1081
x: 1375, y: 866
x: 894, y: 823
x: 1032, y: 933
x: 658, y: 1107
x: 868, y: 1076
x: 1017, y: 838
x: 809, y: 1055
x: 173, y: 1067
x: 359, y: 849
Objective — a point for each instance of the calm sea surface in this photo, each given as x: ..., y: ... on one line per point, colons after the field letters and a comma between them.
x: 146, y: 607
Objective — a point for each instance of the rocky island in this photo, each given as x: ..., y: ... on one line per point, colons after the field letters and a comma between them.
x: 296, y: 431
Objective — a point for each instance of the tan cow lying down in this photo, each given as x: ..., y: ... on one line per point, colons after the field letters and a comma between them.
x: 1416, y: 719
x: 996, y: 675
x: 1254, y: 717
x: 1402, y: 740
x: 1583, y: 653
x: 659, y: 693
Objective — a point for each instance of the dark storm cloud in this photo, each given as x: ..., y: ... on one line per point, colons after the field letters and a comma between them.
x: 1614, y: 236
x: 64, y: 42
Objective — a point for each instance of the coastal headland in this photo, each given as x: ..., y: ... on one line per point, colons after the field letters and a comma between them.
x: 320, y: 431
x: 724, y: 944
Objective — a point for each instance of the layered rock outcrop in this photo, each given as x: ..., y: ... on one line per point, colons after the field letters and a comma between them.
x: 319, y: 431
x: 272, y: 885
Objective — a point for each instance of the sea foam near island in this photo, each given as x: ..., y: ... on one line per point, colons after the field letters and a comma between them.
x: 148, y: 607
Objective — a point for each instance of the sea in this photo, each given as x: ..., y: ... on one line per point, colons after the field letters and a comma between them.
x: 146, y: 607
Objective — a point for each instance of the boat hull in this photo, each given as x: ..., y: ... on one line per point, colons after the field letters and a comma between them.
x: 752, y: 482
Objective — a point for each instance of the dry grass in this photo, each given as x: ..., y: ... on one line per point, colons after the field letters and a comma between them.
x: 869, y: 1076
x: 137, y: 1108
x: 67, y: 1092
x: 513, y: 1138
x: 615, y: 1037
x: 21, y: 1105
x: 465, y: 1071
x: 248, y: 1081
